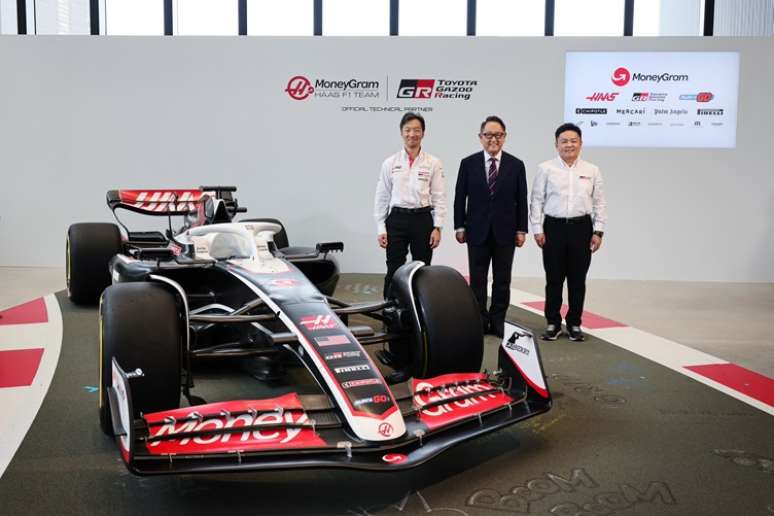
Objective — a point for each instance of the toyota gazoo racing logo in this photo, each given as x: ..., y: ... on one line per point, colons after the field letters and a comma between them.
x: 602, y: 97
x: 620, y: 76
x: 436, y: 89
x: 416, y: 88
x: 318, y: 322
x: 299, y: 88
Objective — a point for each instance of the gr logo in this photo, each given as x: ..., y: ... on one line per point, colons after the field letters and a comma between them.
x: 416, y: 88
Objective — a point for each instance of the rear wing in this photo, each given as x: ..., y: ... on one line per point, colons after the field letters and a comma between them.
x: 171, y: 201
x: 155, y: 202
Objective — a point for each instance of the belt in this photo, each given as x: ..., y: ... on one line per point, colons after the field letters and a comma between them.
x: 568, y: 220
x: 423, y: 209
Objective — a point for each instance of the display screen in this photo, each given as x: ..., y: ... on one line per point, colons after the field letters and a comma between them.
x: 653, y: 99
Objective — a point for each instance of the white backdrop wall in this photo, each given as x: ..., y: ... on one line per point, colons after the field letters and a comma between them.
x: 82, y: 115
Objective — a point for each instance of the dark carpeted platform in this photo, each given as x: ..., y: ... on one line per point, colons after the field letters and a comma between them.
x: 626, y: 436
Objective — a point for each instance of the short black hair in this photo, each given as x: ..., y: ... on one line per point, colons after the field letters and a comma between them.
x: 567, y: 127
x: 408, y: 117
x: 492, y: 118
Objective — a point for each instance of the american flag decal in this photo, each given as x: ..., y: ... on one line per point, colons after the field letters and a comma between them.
x: 332, y: 340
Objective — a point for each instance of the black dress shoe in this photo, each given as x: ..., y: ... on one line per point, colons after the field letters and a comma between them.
x: 552, y: 332
x: 575, y: 333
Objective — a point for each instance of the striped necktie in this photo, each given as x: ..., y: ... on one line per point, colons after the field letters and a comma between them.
x: 492, y: 175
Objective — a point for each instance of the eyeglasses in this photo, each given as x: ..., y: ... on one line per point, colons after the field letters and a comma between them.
x: 492, y: 136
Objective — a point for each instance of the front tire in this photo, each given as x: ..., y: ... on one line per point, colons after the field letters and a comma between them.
x: 450, y: 337
x: 140, y: 325
x: 90, y: 246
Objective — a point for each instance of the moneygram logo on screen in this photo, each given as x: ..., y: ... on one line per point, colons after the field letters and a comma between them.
x: 620, y: 76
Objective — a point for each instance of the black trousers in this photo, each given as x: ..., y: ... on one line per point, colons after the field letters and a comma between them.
x: 501, y: 258
x: 407, y: 231
x: 566, y: 255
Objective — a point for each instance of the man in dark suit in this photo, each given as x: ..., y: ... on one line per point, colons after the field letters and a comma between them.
x: 490, y: 215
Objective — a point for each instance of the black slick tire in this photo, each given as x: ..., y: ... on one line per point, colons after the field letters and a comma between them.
x: 90, y: 246
x: 140, y: 325
x: 451, y: 339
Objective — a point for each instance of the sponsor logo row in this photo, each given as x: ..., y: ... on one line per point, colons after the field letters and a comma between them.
x: 635, y: 123
x: 647, y: 96
x: 643, y: 111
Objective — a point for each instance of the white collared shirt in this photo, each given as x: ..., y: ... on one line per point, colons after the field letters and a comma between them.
x: 498, y: 159
x: 564, y: 191
x: 410, y: 186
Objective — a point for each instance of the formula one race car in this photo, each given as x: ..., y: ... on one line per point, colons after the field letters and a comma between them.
x: 221, y: 292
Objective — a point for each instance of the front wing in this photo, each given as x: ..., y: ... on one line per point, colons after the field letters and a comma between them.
x: 293, y: 431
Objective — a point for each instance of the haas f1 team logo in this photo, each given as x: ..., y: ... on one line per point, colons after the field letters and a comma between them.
x: 416, y: 88
x: 318, y: 322
x: 621, y: 76
x: 385, y: 429
x: 299, y: 88
x: 602, y: 97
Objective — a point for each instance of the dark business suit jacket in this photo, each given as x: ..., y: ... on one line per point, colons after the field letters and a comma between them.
x: 505, y: 212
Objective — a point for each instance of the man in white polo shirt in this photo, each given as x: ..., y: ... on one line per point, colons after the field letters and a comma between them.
x: 410, y: 200
x: 568, y: 214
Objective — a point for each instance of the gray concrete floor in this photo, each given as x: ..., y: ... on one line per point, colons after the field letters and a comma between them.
x: 727, y: 320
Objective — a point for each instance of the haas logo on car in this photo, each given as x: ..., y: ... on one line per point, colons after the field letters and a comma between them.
x: 385, y: 429
x: 318, y: 322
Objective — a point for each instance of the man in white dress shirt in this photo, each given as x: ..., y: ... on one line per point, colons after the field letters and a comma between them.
x: 410, y: 201
x: 568, y: 214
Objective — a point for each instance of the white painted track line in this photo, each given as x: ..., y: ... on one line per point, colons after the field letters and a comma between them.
x: 662, y: 351
x: 20, y: 405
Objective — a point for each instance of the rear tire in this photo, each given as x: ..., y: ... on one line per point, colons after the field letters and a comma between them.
x: 141, y: 327
x: 90, y: 246
x: 451, y: 339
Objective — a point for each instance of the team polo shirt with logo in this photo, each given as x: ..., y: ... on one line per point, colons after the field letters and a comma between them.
x: 564, y: 191
x: 410, y: 184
